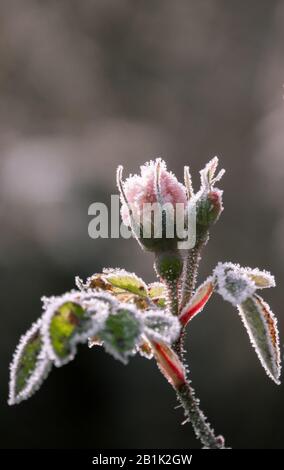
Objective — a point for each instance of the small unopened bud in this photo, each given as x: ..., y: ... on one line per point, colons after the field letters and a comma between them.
x: 208, y: 200
x: 149, y: 205
x: 209, y: 208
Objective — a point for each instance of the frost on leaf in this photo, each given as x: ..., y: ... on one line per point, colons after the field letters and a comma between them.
x: 169, y: 364
x: 161, y: 326
x: 262, y: 279
x: 261, y: 325
x: 30, y: 366
x: 157, y: 293
x: 66, y: 323
x: 207, y: 175
x: 124, y: 280
x: 121, y: 333
x: 236, y: 284
x: 197, y: 302
x: 95, y: 281
x: 233, y: 284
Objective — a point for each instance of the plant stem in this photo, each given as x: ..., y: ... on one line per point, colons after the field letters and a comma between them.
x: 189, y: 276
x: 172, y: 297
x: 202, y: 428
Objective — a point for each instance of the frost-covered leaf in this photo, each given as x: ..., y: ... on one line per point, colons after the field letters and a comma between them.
x: 156, y: 289
x: 161, y: 326
x: 96, y: 281
x: 262, y: 279
x: 261, y: 325
x: 66, y: 323
x: 169, y: 364
x: 121, y: 332
x: 207, y: 175
x: 197, y: 302
x: 126, y: 281
x: 145, y: 348
x: 157, y: 294
x: 236, y: 284
x: 233, y: 284
x: 30, y: 366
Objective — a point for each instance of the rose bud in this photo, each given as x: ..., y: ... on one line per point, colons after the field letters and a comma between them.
x: 149, y: 205
x: 208, y: 200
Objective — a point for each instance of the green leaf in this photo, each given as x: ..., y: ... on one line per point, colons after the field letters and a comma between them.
x: 126, y: 281
x: 66, y: 323
x: 261, y: 326
x: 30, y: 365
x: 121, y: 333
x: 157, y: 294
x: 68, y: 318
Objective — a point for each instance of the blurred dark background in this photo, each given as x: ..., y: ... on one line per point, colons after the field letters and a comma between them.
x: 85, y: 86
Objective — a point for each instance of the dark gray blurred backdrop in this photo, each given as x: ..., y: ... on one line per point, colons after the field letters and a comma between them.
x: 84, y: 86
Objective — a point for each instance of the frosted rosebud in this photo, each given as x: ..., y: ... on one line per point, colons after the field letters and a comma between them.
x: 149, y: 205
x: 209, y: 204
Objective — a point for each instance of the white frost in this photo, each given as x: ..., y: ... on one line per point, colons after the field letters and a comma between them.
x: 42, y: 369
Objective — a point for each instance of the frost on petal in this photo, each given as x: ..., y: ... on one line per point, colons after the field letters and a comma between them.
x: 197, y: 302
x: 125, y: 281
x: 261, y: 326
x: 30, y: 366
x: 121, y: 332
x: 235, y: 283
x: 171, y: 190
x: 232, y: 283
x: 66, y: 323
x: 169, y: 364
x: 161, y: 326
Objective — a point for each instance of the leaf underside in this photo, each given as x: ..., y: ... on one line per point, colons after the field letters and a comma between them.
x: 262, y: 329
